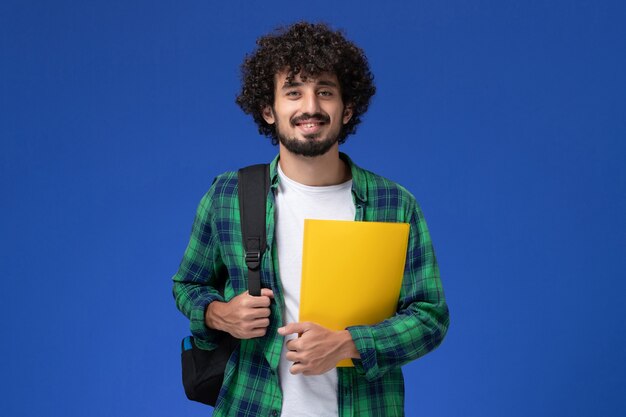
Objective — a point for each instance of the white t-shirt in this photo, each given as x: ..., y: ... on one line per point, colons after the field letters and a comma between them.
x: 314, y: 396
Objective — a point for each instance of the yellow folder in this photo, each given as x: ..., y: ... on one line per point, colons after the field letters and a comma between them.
x: 351, y: 272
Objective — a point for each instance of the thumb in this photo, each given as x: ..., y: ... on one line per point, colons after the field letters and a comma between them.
x: 293, y: 328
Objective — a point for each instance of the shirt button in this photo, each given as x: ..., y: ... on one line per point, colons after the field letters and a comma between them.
x: 275, y: 413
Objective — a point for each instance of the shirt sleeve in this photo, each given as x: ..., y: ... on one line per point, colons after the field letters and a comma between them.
x: 198, y: 277
x: 421, y: 320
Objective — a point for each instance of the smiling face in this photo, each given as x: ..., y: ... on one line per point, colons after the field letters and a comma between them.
x: 308, y: 114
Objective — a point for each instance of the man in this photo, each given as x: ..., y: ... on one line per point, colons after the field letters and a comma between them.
x: 306, y: 87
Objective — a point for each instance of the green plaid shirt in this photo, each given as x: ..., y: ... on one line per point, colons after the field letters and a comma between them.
x: 374, y: 386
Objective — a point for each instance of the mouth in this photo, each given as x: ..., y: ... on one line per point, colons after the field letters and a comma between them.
x: 310, y: 126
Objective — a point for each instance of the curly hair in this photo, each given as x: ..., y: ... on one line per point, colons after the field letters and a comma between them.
x: 306, y: 49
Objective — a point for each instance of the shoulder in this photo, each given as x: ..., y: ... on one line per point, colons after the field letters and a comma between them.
x: 222, y: 192
x: 224, y: 185
x: 378, y: 182
x: 383, y: 191
x: 388, y: 201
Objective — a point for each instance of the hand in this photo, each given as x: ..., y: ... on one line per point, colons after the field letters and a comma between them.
x: 244, y: 316
x: 318, y: 349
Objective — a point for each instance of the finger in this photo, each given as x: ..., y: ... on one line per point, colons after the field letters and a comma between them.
x: 262, y: 312
x: 296, y: 368
x: 295, y: 344
x: 266, y: 292
x: 256, y: 302
x: 257, y: 328
x: 292, y: 357
x: 256, y: 333
x: 293, y: 328
x: 251, y: 313
x: 261, y: 323
x: 256, y: 313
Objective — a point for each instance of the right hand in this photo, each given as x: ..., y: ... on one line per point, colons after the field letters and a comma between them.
x: 244, y: 316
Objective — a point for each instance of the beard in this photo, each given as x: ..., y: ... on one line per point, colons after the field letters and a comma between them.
x: 312, y: 145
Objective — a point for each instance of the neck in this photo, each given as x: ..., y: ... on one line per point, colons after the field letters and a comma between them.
x: 317, y: 171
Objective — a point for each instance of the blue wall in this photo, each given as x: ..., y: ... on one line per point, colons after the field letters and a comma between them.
x: 506, y: 120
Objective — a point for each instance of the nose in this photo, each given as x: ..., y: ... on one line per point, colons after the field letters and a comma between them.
x: 310, y: 103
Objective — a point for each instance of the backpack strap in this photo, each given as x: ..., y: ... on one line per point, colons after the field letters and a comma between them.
x: 254, y: 185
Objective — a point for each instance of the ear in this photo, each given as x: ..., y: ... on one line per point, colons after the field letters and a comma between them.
x: 268, y: 115
x: 347, y: 113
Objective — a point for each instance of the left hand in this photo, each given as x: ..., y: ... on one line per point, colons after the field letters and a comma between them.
x: 318, y: 349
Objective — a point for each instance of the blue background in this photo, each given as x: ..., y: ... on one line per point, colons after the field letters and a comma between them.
x: 505, y: 118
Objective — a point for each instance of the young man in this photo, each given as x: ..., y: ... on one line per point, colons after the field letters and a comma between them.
x: 306, y: 87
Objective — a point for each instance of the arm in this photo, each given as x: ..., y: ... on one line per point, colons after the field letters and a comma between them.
x: 199, y: 274
x: 418, y: 326
x: 422, y: 319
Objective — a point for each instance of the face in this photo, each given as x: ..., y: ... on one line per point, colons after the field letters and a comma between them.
x: 308, y: 115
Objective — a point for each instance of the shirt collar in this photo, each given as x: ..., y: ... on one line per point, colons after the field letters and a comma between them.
x: 359, y: 181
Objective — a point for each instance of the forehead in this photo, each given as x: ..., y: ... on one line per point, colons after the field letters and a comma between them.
x: 285, y: 78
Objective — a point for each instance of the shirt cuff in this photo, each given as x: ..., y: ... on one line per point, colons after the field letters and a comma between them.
x: 206, y: 338
x: 363, y: 339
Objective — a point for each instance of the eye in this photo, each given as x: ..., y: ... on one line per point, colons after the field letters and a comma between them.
x: 325, y: 93
x: 292, y: 93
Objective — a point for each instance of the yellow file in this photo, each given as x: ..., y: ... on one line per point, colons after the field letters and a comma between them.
x: 351, y: 272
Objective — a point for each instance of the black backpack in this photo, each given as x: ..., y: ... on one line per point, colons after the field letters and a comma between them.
x: 203, y: 370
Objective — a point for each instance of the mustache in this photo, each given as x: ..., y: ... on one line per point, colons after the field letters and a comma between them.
x: 307, y: 116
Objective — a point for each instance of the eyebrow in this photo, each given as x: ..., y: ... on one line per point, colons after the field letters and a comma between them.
x: 325, y: 83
